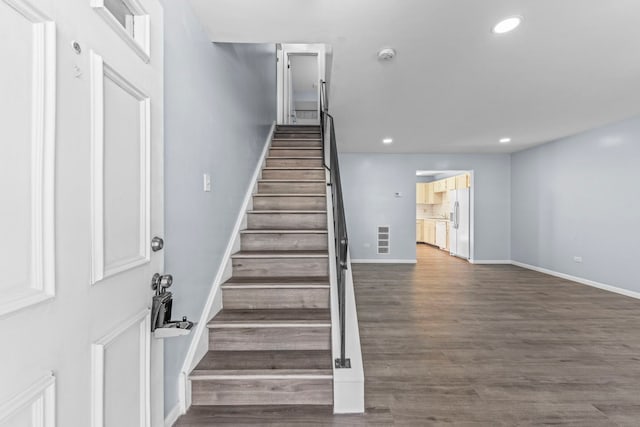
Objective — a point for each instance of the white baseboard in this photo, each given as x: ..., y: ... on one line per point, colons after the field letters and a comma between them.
x: 490, y: 261
x: 172, y: 416
x: 201, y: 328
x: 383, y: 261
x: 580, y: 280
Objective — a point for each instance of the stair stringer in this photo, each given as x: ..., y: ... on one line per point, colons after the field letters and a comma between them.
x: 199, y: 344
x: 348, y: 383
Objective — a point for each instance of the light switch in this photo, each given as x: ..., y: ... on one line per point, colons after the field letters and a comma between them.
x: 206, y: 182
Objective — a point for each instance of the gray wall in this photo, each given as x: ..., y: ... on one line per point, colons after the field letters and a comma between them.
x: 579, y: 196
x: 220, y: 101
x: 370, y: 182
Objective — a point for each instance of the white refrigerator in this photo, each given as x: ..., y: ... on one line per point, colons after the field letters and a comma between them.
x: 459, y: 229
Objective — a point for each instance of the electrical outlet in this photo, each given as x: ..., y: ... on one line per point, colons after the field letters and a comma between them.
x: 577, y: 259
x: 206, y: 181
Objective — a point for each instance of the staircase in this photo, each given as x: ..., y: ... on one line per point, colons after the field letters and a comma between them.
x: 271, y: 342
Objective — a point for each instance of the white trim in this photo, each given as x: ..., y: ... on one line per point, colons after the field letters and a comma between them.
x: 39, y: 399
x: 348, y: 383
x: 100, y: 71
x: 201, y: 325
x: 383, y: 261
x: 139, y: 41
x: 143, y: 321
x: 43, y: 113
x: 283, y: 80
x: 580, y: 280
x: 489, y: 261
x: 172, y: 416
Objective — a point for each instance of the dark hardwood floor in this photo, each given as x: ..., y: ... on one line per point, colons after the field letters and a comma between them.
x: 449, y: 343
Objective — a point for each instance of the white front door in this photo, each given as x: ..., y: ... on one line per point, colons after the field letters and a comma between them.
x: 81, y: 145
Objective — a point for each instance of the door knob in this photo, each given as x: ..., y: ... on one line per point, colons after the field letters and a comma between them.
x: 161, y: 282
x: 157, y: 243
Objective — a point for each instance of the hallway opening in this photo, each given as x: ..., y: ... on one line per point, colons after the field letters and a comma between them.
x: 444, y: 211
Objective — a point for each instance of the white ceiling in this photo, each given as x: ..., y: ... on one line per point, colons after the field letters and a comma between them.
x: 454, y: 86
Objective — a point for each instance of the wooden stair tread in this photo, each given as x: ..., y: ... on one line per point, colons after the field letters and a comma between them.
x: 289, y: 195
x: 265, y: 362
x: 276, y: 282
x: 255, y: 374
x: 297, y: 148
x: 288, y: 231
x: 297, y: 211
x: 296, y: 158
x: 293, y: 181
x: 293, y: 168
x: 308, y: 414
x: 293, y: 317
x: 281, y: 254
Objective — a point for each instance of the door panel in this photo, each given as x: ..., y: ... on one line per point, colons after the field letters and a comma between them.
x: 26, y: 122
x: 120, y: 151
x: 120, y: 384
x: 83, y: 100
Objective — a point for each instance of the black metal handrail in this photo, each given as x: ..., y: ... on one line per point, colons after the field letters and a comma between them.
x: 339, y: 221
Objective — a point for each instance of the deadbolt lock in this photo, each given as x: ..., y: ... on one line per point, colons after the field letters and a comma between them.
x: 157, y: 244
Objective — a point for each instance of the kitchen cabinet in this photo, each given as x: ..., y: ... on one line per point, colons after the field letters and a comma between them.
x: 419, y: 231
x: 426, y: 195
x: 441, y: 234
x: 433, y: 198
x: 463, y: 181
x: 421, y: 193
x: 429, y: 231
x: 439, y: 186
x: 450, y: 183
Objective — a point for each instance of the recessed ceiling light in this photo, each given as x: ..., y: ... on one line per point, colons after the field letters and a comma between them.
x: 387, y: 141
x: 507, y: 25
x: 505, y: 140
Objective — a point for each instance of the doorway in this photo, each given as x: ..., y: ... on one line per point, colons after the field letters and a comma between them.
x: 304, y: 93
x: 444, y: 212
x: 300, y: 70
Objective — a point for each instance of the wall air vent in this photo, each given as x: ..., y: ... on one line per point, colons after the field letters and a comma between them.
x: 383, y: 239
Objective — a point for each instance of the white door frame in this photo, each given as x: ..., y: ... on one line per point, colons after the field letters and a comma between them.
x: 284, y: 77
x: 471, y: 208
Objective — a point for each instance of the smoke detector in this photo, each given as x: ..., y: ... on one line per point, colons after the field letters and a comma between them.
x: 386, y: 54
